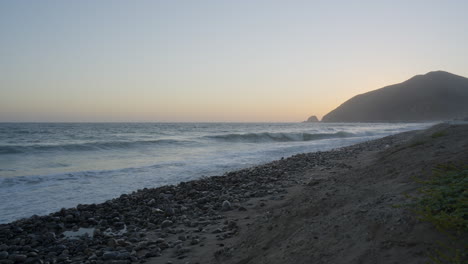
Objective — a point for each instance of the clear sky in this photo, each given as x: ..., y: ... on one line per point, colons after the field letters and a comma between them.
x: 216, y: 60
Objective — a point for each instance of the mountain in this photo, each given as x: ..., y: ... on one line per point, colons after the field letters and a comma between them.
x: 433, y: 96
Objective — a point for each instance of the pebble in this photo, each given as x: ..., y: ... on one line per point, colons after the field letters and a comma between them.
x: 152, y: 254
x: 110, y: 255
x: 226, y: 206
x: 217, y: 231
x: 166, y: 223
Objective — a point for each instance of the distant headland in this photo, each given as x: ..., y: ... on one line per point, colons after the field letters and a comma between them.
x: 434, y: 96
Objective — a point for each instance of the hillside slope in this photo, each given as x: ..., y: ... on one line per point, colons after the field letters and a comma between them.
x: 431, y: 97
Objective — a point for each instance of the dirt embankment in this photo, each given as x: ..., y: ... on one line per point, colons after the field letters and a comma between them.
x: 348, y: 214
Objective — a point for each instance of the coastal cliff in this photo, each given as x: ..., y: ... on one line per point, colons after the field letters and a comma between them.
x: 434, y: 96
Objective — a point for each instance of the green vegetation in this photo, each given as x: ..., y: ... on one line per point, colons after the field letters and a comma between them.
x: 417, y: 143
x: 444, y: 203
x: 438, y: 134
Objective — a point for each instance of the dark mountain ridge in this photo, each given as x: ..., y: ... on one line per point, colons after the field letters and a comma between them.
x: 433, y: 96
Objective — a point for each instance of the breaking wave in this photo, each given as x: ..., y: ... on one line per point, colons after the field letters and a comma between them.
x: 279, y: 137
x: 88, y: 146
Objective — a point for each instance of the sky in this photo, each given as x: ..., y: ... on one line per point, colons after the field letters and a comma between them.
x: 215, y: 61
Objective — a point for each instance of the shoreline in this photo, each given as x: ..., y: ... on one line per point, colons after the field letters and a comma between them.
x: 97, y: 165
x: 199, y: 221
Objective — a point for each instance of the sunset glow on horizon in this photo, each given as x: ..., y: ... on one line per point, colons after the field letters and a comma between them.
x: 215, y: 61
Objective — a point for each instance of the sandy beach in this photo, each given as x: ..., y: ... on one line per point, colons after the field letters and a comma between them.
x: 336, y: 206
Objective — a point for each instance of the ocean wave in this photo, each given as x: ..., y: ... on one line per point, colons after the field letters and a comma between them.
x: 80, y: 176
x: 55, y: 178
x: 88, y: 146
x: 279, y: 137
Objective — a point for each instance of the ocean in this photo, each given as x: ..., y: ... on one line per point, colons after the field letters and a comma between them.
x: 48, y: 166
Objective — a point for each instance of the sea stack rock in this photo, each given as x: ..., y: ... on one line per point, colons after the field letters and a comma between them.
x: 312, y: 119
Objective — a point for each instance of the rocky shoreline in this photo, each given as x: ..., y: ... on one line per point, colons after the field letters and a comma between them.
x: 166, y: 224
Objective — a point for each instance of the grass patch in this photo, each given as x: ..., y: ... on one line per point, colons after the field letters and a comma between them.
x: 438, y: 134
x: 443, y: 202
x: 417, y: 143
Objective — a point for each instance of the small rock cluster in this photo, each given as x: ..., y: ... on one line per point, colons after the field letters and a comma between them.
x: 155, y: 221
